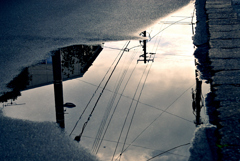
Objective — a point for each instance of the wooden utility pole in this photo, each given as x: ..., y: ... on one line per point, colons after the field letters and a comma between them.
x: 58, y: 89
x: 145, y: 47
x: 198, y: 100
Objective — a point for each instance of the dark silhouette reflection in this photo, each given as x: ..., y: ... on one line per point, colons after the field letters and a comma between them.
x: 69, y: 105
x: 146, y: 56
x: 203, y: 72
x: 16, y: 85
x: 78, y: 57
x: 66, y: 63
x: 197, y: 102
x: 75, y: 61
x: 203, y: 62
x: 58, y: 89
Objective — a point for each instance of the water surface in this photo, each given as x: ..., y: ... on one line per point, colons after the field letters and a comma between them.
x: 156, y: 94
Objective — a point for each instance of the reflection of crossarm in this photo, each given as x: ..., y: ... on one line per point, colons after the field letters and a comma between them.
x: 142, y: 56
x: 147, y: 60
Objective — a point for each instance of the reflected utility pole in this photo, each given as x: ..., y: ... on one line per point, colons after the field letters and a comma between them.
x: 144, y: 46
x: 58, y: 89
x: 198, y: 100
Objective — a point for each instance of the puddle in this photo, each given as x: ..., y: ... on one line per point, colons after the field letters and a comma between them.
x: 156, y: 97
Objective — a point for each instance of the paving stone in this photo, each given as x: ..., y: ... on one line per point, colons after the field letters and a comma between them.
x: 229, y: 112
x: 224, y: 28
x: 230, y: 121
x: 222, y: 22
x: 222, y: 15
x: 227, y: 103
x: 219, y: 10
x: 226, y: 87
x: 218, y: 1
x: 226, y: 78
x: 225, y: 35
x: 225, y: 64
x: 228, y: 73
x: 228, y: 96
x: 230, y: 153
x: 231, y: 136
x: 228, y: 136
x: 218, y: 5
x: 216, y: 53
x: 235, y: 2
x: 221, y: 43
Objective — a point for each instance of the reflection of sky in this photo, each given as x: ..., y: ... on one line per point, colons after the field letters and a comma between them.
x: 168, y: 84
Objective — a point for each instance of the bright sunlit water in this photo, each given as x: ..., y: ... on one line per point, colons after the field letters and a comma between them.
x: 163, y: 118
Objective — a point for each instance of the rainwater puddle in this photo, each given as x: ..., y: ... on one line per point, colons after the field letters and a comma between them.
x: 144, y: 110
